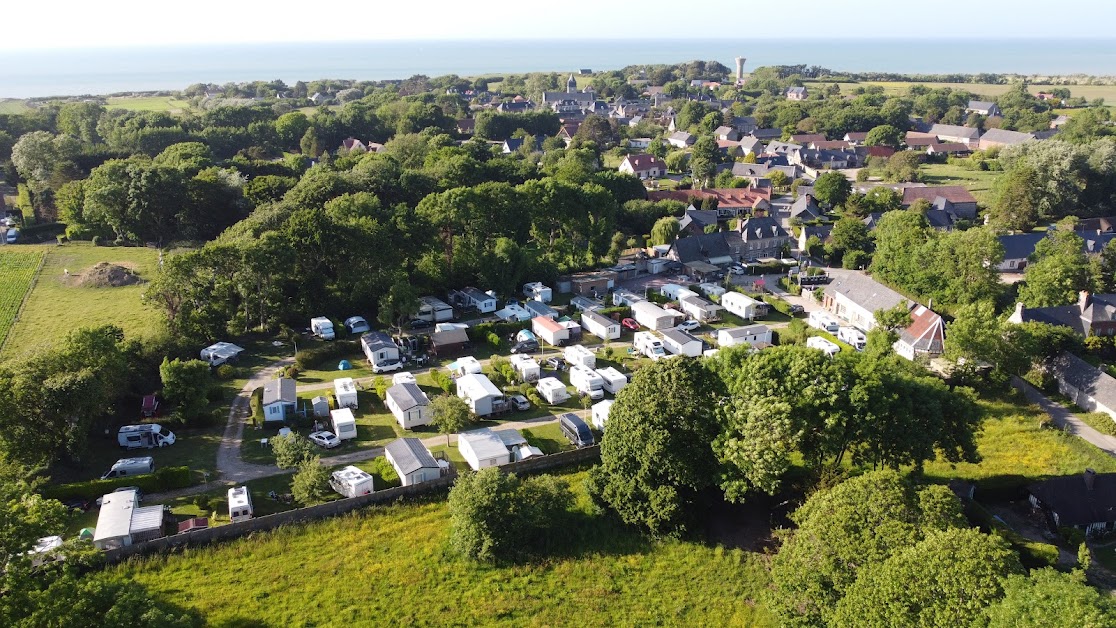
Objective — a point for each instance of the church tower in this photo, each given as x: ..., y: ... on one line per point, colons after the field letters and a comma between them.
x: 571, y: 85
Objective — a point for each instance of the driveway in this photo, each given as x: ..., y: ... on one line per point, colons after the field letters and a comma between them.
x: 1064, y: 419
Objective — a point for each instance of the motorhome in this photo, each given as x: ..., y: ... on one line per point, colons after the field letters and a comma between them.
x: 240, y: 504
x: 852, y: 336
x: 649, y: 345
x: 614, y: 381
x: 148, y: 435
x: 587, y: 381
x: 322, y: 327
x: 822, y: 320
x: 127, y: 467
x: 817, y: 342
x: 351, y: 482
x: 344, y: 423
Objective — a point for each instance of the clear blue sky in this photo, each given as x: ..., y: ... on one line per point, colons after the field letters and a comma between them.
x: 83, y: 23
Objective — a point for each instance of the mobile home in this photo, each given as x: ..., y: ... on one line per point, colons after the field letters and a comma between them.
x: 481, y: 395
x: 751, y: 334
x: 344, y: 423
x: 578, y: 355
x: 600, y: 326
x: 409, y: 405
x: 652, y: 316
x: 434, y: 310
x: 678, y: 342
x: 553, y: 390
x: 482, y: 448
x: 470, y: 297
x: 379, y: 348
x: 600, y: 413
x: 345, y: 390
x: 674, y: 291
x: 121, y: 522
x: 525, y: 367
x: 712, y: 290
x: 240, y: 504
x: 279, y: 400
x: 741, y: 305
x: 351, y: 482
x: 551, y: 331
x: 699, y: 309
x: 614, y: 381
x: 412, y: 461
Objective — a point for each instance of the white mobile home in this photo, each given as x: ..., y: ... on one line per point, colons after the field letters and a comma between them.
x: 712, y: 290
x: 279, y: 400
x: 484, y: 303
x: 477, y: 391
x: 752, y: 335
x: 551, y: 331
x: 240, y: 504
x: 699, y: 309
x: 614, y: 381
x: 679, y: 342
x: 514, y: 312
x: 434, y: 310
x: 741, y: 305
x: 345, y: 390
x: 482, y: 448
x: 538, y: 308
x: 344, y: 423
x: 578, y: 355
x: 378, y: 347
x: 467, y: 365
x: 537, y: 291
x: 652, y: 316
x: 121, y: 522
x: 600, y: 326
x: 674, y: 291
x: 409, y: 404
x: 553, y: 390
x: 412, y: 461
x: 220, y: 353
x: 587, y: 381
x: 623, y: 296
x: 525, y: 367
x: 351, y: 482
x: 600, y: 413
x: 819, y: 319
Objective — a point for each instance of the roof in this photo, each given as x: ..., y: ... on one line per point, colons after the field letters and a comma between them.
x: 926, y: 332
x: 761, y: 228
x: 1085, y: 377
x: 484, y: 443
x: 1075, y: 503
x: 146, y: 518
x: 449, y: 337
x: 477, y: 295
x: 678, y: 337
x: 806, y: 138
x: 1020, y: 245
x: 510, y: 438
x: 805, y: 208
x: 981, y: 105
x: 865, y: 292
x: 344, y: 385
x: 950, y: 147
x: 342, y: 415
x: 857, y: 136
x: 540, y: 309
x: 477, y: 386
x: 1003, y: 136
x: 649, y: 308
x: 410, y: 455
x: 723, y: 130
x: 796, y: 90
x: 407, y: 396
x: 547, y: 323
x: 681, y: 136
x: 279, y: 390
x: 115, y: 517
x: 951, y: 193
x: 376, y: 340
x: 701, y: 247
x: 699, y: 302
x: 702, y: 218
x: 640, y: 163
x: 953, y: 130
x: 599, y: 319
x: 749, y: 330
x: 585, y: 304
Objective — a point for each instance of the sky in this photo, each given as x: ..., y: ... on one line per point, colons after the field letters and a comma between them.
x: 56, y: 24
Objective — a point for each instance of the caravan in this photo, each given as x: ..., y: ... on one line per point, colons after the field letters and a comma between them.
x: 351, y: 482
x: 820, y: 319
x: 587, y: 381
x: 322, y: 327
x: 240, y: 504
x: 650, y: 346
x: 852, y: 336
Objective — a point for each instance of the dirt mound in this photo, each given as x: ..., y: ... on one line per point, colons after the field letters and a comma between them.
x: 104, y: 275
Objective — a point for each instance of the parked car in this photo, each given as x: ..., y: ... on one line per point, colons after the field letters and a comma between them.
x: 519, y: 402
x: 124, y: 489
x: 736, y: 270
x: 688, y: 325
x: 630, y: 324
x: 556, y: 363
x: 357, y: 325
x: 325, y: 439
x: 575, y: 430
x: 419, y: 323
x: 527, y: 346
x: 387, y: 366
x: 797, y: 309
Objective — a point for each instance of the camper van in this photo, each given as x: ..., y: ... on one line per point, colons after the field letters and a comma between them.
x: 587, y: 382
x: 127, y: 467
x: 322, y: 327
x: 650, y: 346
x: 240, y: 504
x: 351, y: 482
x: 852, y: 336
x: 575, y: 430
x: 344, y: 423
x: 821, y: 344
x: 149, y: 435
x: 823, y: 321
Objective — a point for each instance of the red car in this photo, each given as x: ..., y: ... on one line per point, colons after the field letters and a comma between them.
x: 630, y: 324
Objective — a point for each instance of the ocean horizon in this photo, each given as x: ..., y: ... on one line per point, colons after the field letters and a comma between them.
x: 101, y: 71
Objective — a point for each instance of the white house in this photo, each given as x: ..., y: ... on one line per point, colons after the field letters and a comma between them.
x: 674, y: 291
x: 412, y: 461
x: 482, y: 448
x: 537, y: 291
x: 378, y: 347
x: 344, y: 423
x: 739, y: 304
x: 601, y: 326
x: 925, y: 336
x: 679, y: 342
x: 409, y: 404
x: 855, y: 298
x: 121, y: 522
x: 553, y: 390
x: 699, y: 309
x: 601, y: 410
x: 484, y: 303
x: 578, y: 355
x: 751, y: 335
x: 279, y: 399
x: 1089, y: 387
x: 551, y: 331
x: 479, y: 393
x: 652, y: 316
x: 344, y: 389
x: 614, y: 381
x: 643, y: 166
x: 525, y: 367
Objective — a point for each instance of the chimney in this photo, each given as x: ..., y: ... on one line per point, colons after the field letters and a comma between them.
x: 1090, y: 479
x: 1083, y: 300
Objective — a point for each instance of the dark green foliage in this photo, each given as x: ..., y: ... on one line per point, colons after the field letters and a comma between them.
x: 311, y: 482
x: 291, y: 450
x: 163, y: 479
x: 1049, y: 598
x: 186, y: 385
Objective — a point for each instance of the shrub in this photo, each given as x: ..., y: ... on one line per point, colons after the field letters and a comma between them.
x: 165, y: 479
x: 313, y: 358
x: 311, y: 482
x: 381, y: 385
x: 442, y: 380
x: 1073, y: 536
x: 226, y: 372
x: 386, y: 475
x: 493, y: 340
x: 291, y: 450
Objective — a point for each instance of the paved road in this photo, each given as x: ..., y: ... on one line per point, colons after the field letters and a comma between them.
x: 1065, y: 420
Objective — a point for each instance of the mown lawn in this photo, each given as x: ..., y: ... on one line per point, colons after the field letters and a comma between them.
x: 55, y: 307
x: 148, y: 103
x: 11, y: 107
x: 392, y: 566
x: 976, y: 181
x: 18, y: 266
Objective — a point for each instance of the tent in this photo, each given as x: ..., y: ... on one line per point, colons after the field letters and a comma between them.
x: 86, y: 533
x: 344, y: 365
x: 525, y: 335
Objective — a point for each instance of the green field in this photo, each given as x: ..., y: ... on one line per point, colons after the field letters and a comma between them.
x: 18, y: 266
x: 1089, y: 92
x: 57, y: 307
x: 391, y: 566
x: 148, y: 103
x: 9, y: 107
x: 979, y: 182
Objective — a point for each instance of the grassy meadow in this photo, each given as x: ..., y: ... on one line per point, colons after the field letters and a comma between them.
x: 57, y: 307
x: 1089, y: 92
x: 169, y: 104
x: 11, y: 106
x: 978, y: 182
x: 18, y: 266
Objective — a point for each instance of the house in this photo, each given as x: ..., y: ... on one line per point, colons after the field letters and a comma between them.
x: 986, y: 109
x: 1018, y: 248
x: 919, y: 141
x: 482, y: 448
x: 449, y: 342
x: 279, y: 400
x: 762, y: 236
x: 652, y: 316
x: 643, y: 166
x: 727, y: 133
x: 472, y: 298
x: 593, y: 283
x: 834, y: 145
x: 924, y: 337
x: 953, y: 133
x: 378, y: 347
x: 797, y: 93
x: 515, y: 106
x: 699, y: 309
x: 766, y: 134
x: 482, y: 396
x: 678, y: 342
x: 855, y: 298
x: 951, y: 149
x: 412, y: 461
x: 1085, y: 502
x: 821, y: 232
x: 856, y: 138
x: 409, y: 404
x: 1003, y: 137
x: 538, y: 308
x: 939, y: 219
x: 752, y: 335
x: 730, y: 149
x: 1090, y: 388
x: 1092, y: 315
x: 806, y: 209
x: 466, y: 126
x: 750, y: 145
x: 515, y: 144
x: 345, y: 391
x: 525, y: 367
x: 553, y: 390
x: 551, y: 331
x: 681, y: 139
x: 121, y: 522
x: 600, y: 326
x: 741, y: 305
x: 802, y: 139
x: 695, y: 221
x: 952, y: 198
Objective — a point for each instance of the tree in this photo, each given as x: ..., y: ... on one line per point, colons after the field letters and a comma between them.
x: 497, y: 517
x: 849, y: 234
x: 1050, y: 598
x: 1058, y: 271
x: 311, y: 482
x: 704, y: 160
x: 665, y: 231
x: 832, y: 188
x: 884, y: 135
x: 186, y: 385
x: 1016, y: 204
x: 291, y: 450
x: 450, y: 414
x: 896, y: 318
x: 39, y: 154
x: 400, y: 302
x: 677, y: 161
x: 946, y: 580
x: 779, y: 179
x: 657, y: 457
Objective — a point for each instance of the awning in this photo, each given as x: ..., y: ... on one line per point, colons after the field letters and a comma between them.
x: 717, y: 261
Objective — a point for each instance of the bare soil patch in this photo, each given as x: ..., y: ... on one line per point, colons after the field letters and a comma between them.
x: 103, y: 275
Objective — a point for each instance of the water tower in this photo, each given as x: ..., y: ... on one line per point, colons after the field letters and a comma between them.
x: 740, y: 69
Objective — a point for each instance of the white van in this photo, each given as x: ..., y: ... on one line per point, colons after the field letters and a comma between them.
x: 821, y: 344
x: 852, y: 336
x: 823, y: 321
x: 240, y: 504
x: 149, y: 435
x: 127, y: 467
x: 322, y: 327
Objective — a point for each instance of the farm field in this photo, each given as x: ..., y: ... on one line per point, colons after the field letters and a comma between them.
x: 397, y: 568
x: 18, y: 266
x: 10, y: 106
x: 1089, y: 92
x: 148, y: 103
x: 57, y: 306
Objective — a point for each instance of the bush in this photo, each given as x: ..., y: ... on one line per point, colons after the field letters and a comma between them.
x: 165, y: 479
x: 777, y: 303
x: 386, y: 477
x: 381, y: 385
x: 1073, y: 536
x: 226, y: 372
x: 442, y: 380
x: 313, y: 358
x: 493, y: 340
x: 311, y: 482
x: 291, y: 450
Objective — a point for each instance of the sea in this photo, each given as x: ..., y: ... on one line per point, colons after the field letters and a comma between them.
x: 100, y: 71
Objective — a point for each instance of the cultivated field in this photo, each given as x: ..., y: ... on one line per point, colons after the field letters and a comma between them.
x: 1089, y: 92
x: 17, y: 268
x: 148, y: 103
x: 57, y: 306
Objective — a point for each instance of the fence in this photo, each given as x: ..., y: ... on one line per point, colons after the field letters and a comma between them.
x: 335, y: 508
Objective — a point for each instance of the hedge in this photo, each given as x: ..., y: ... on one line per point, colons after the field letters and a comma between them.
x: 479, y: 333
x: 777, y: 303
x: 165, y: 479
x: 310, y: 358
x: 43, y: 232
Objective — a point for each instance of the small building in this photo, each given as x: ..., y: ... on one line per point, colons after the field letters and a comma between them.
x: 344, y: 423
x: 240, y: 504
x: 994, y: 138
x: 482, y: 449
x: 741, y: 305
x: 320, y: 405
x: 699, y: 309
x: 681, y: 139
x: 752, y: 335
x: 953, y: 133
x: 924, y: 337
x: 594, y: 283
x: 471, y: 297
x: 449, y: 342
x: 678, y: 342
x: 412, y: 461
x: 674, y: 291
x: 378, y: 347
x: 515, y: 312
x: 614, y: 381
x: 643, y: 166
x: 517, y: 445
x: 122, y: 522
x: 525, y: 367
x: 344, y: 389
x: 586, y: 304
x: 538, y: 308
x: 1089, y: 387
x: 984, y: 108
x: 553, y: 390
x: 434, y: 310
x: 482, y: 396
x: 600, y: 326
x: 652, y: 316
x: 797, y: 93
x: 1085, y: 502
x: 409, y: 405
x: 601, y: 410
x: 550, y: 330
x: 279, y: 400
x: 712, y: 290
x: 578, y: 355
x: 351, y: 482
x: 536, y: 291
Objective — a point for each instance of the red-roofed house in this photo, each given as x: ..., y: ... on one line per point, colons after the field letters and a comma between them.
x: 643, y: 166
x: 924, y: 337
x: 880, y: 151
x: 914, y: 139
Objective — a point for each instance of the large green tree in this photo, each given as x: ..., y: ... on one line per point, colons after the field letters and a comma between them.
x: 1057, y: 272
x: 1016, y: 200
x: 1047, y: 597
x: 832, y: 188
x: 186, y: 385
x: 450, y: 414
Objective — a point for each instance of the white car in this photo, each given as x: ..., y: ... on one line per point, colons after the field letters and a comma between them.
x: 688, y: 325
x: 325, y: 439
x: 388, y: 366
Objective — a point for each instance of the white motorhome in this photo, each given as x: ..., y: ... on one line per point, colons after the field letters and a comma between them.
x: 852, y: 336
x: 127, y: 467
x: 220, y: 353
x: 601, y: 409
x: 351, y: 482
x: 553, y: 390
x: 149, y: 435
x: 526, y: 367
x: 587, y: 381
x: 578, y: 355
x: 344, y: 423
x: 614, y: 381
x: 345, y: 390
x: 322, y: 327
x: 817, y: 342
x: 649, y: 345
x: 823, y: 321
x: 240, y: 504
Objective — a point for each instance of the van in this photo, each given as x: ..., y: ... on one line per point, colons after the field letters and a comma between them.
x: 821, y: 320
x: 852, y: 336
x: 575, y: 430
x: 127, y: 467
x: 149, y: 435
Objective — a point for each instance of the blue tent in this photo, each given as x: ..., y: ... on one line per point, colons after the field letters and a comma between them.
x: 524, y: 335
x: 344, y: 365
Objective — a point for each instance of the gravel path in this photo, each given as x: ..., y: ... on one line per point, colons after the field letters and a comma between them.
x: 1065, y: 420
